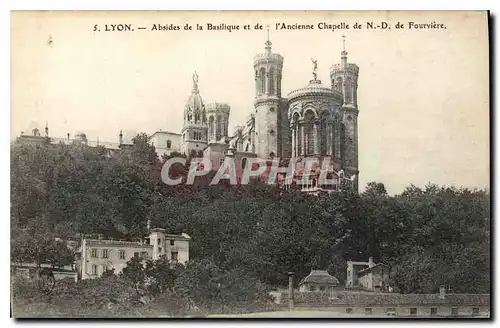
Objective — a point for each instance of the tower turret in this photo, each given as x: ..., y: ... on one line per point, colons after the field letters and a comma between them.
x: 218, y: 121
x: 344, y: 77
x: 194, y: 131
x: 269, y: 109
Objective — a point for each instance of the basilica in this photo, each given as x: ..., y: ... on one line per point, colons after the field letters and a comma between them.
x: 314, y: 121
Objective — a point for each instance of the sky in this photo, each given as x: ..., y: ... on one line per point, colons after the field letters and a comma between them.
x: 423, y: 95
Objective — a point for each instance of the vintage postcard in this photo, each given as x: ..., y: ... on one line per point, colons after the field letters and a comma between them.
x: 250, y: 164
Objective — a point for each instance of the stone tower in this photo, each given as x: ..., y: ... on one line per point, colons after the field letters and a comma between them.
x: 194, y: 131
x: 218, y: 121
x: 344, y: 78
x: 268, y: 69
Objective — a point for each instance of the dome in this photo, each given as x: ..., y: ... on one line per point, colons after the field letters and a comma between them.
x: 314, y: 88
x: 194, y: 111
x: 195, y: 102
x: 80, y: 136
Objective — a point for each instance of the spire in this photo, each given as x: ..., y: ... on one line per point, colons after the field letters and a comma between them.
x: 195, y: 83
x: 268, y: 42
x: 46, y: 128
x: 344, y: 52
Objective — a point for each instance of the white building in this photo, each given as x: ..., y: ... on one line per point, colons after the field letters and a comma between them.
x: 97, y: 256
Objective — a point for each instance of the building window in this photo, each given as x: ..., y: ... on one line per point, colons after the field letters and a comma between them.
x: 271, y: 109
x: 122, y: 255
x: 454, y: 311
x: 348, y: 310
x: 93, y: 253
x: 391, y: 311
x: 413, y: 311
x: 175, y: 256
x: 434, y: 311
x: 136, y: 255
x: 104, y: 253
x: 309, y: 133
x: 271, y: 81
x: 159, y: 241
x: 368, y: 311
x: 94, y: 269
x: 159, y: 250
x: 172, y: 242
x: 262, y: 78
x: 169, y: 144
x: 221, y: 161
x: 104, y: 268
x: 475, y: 311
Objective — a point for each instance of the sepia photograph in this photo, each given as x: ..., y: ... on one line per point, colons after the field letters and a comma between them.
x: 250, y: 164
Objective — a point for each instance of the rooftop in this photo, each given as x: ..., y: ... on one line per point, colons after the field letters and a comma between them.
x: 320, y: 277
x: 108, y: 242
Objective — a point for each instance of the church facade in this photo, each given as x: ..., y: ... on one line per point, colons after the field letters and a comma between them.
x: 317, y: 121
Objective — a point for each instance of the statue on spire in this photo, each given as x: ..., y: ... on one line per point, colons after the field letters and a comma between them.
x: 315, y: 67
x: 344, y: 52
x: 268, y: 42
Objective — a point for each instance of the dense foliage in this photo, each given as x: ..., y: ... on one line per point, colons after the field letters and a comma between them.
x: 430, y: 237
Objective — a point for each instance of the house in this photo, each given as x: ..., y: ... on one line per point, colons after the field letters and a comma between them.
x: 318, y: 280
x: 368, y: 275
x: 97, y: 256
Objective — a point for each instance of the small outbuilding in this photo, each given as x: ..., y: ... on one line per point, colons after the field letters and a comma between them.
x: 318, y: 280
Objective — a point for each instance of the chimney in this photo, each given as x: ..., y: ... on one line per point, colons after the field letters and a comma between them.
x: 442, y: 292
x: 370, y: 262
x: 290, y: 291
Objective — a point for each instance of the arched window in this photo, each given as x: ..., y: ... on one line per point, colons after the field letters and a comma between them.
x: 323, y: 134
x: 348, y: 90
x: 271, y: 81
x: 298, y: 142
x: 211, y: 127
x: 189, y: 116
x: 338, y: 84
x: 262, y: 78
x: 196, y: 117
x: 169, y: 144
x: 342, y: 141
x: 220, y: 127
x: 309, y: 133
x: 243, y: 163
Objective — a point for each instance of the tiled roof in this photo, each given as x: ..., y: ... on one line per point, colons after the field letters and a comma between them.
x: 182, y: 236
x: 373, y: 267
x: 106, y: 242
x: 320, y: 277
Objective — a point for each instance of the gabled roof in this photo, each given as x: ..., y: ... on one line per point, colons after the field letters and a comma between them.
x: 373, y: 267
x: 320, y: 277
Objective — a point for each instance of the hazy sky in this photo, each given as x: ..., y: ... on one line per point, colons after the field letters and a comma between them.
x: 423, y: 95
